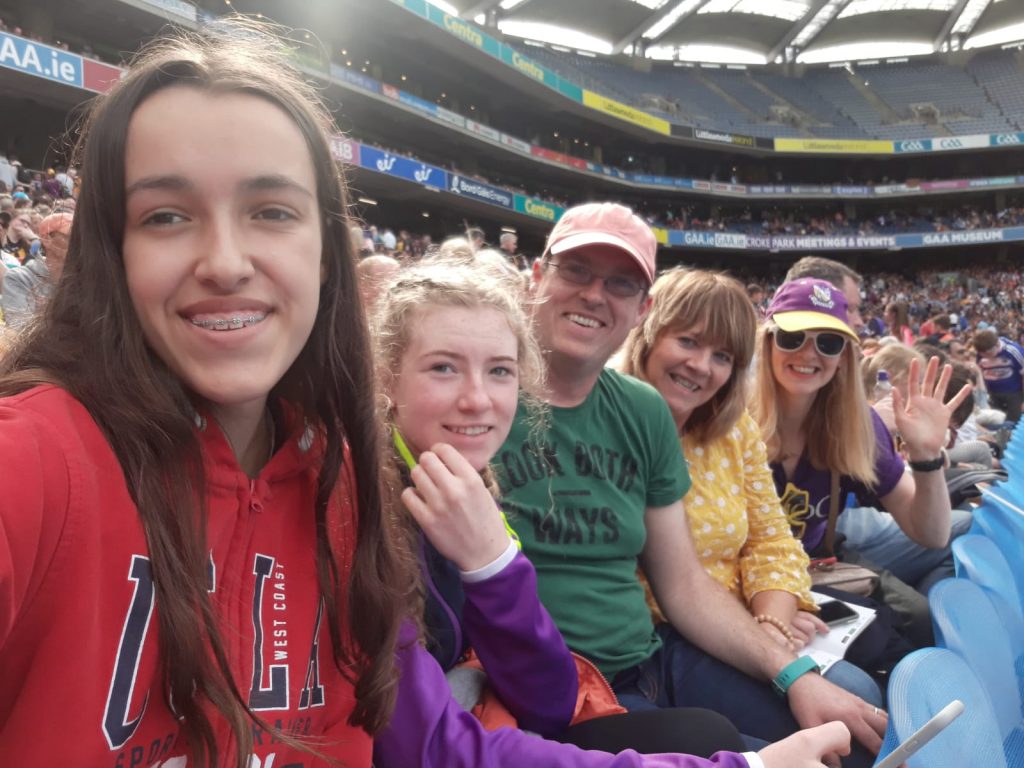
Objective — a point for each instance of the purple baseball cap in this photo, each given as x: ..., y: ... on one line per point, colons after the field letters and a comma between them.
x: 808, y: 304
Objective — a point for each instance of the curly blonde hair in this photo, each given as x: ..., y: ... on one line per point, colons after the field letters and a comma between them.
x: 452, y: 278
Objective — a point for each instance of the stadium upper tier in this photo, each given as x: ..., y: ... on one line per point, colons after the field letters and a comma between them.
x: 887, y: 101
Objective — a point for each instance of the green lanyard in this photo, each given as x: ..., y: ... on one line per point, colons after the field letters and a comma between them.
x: 410, y: 461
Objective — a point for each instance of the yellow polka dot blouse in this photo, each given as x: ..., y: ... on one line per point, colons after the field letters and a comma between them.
x: 739, y: 530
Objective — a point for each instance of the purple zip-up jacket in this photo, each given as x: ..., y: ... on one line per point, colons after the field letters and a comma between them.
x: 526, y: 660
x: 430, y: 730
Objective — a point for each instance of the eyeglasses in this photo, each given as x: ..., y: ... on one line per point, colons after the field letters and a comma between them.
x: 827, y: 343
x: 616, y: 285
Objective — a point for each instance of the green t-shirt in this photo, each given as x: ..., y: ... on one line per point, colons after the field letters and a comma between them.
x: 575, y: 490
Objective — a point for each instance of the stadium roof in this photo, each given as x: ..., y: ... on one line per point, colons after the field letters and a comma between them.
x: 753, y: 31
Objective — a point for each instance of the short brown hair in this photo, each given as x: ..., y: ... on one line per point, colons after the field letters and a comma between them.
x: 985, y: 340
x: 822, y: 269
x: 960, y: 377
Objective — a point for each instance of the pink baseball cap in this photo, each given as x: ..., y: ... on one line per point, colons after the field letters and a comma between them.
x: 605, y: 224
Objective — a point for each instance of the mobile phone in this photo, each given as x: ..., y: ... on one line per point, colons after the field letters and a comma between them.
x: 923, y: 735
x: 836, y: 612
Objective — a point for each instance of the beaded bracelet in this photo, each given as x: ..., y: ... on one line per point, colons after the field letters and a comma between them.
x: 763, y: 618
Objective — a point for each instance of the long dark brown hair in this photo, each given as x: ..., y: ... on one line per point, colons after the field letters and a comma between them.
x: 89, y: 341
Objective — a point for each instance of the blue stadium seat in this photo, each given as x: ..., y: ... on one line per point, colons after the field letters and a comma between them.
x: 1001, y: 519
x: 967, y: 624
x: 979, y: 560
x: 986, y: 96
x: 921, y: 685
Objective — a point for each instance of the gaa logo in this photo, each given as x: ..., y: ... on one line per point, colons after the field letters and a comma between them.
x: 1007, y: 139
x: 950, y: 144
x: 912, y: 146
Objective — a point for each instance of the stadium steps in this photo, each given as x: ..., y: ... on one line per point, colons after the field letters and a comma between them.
x: 726, y: 96
x: 1000, y: 77
x: 887, y: 112
x: 805, y: 117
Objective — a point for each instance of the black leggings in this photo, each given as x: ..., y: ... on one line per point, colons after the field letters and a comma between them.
x: 686, y: 730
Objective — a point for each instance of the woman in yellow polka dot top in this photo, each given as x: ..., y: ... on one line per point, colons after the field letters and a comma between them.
x: 695, y: 347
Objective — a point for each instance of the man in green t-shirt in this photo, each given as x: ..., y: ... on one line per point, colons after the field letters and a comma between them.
x: 595, y: 488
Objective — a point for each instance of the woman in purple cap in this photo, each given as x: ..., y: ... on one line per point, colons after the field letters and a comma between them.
x: 819, y: 429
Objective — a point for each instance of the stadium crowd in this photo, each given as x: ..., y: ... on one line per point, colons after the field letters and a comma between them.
x: 771, y: 220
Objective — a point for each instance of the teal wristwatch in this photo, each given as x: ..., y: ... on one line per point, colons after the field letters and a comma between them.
x: 792, y: 672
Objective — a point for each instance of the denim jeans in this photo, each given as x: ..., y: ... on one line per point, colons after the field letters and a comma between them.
x: 682, y: 675
x: 876, y: 536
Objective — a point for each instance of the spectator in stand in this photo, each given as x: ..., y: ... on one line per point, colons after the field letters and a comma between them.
x: 67, y: 205
x: 897, y: 318
x: 815, y: 420
x: 872, y: 532
x: 509, y: 243
x: 358, y: 238
x: 66, y: 182
x: 8, y: 174
x: 26, y: 288
x: 6, y: 259
x: 873, y: 326
x: 51, y: 186
x: 404, y: 248
x: 1002, y: 366
x: 936, y: 330
x: 927, y: 328
x: 374, y: 273
x: 476, y: 238
x: 18, y: 170
x: 756, y: 295
x: 840, y: 275
x: 39, y: 212
x: 19, y: 239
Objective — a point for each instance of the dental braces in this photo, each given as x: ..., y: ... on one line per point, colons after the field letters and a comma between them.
x: 221, y: 324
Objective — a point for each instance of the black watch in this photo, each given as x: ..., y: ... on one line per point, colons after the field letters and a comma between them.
x: 932, y: 465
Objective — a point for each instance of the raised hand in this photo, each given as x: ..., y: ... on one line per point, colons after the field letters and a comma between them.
x: 923, y: 418
x: 455, y: 510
